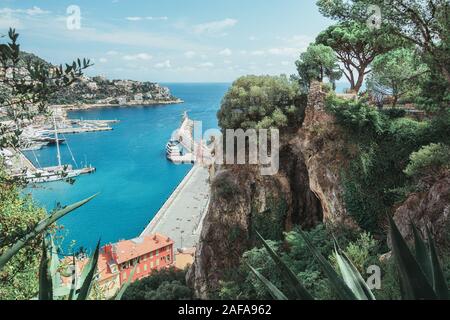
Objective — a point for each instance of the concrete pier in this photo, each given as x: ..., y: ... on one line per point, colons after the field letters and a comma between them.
x: 181, y: 217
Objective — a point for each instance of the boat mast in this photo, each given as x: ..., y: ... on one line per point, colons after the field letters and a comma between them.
x: 58, y: 154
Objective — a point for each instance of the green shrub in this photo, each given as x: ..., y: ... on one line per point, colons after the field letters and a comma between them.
x: 429, y: 160
x: 362, y: 252
x: 271, y: 223
x: 356, y: 116
x: 262, y: 102
x: 240, y: 284
x: 18, y: 280
x: 165, y: 284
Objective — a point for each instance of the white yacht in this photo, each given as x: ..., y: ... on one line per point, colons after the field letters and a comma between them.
x: 173, y: 149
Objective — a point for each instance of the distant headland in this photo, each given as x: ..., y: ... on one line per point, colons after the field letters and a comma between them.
x: 99, y: 92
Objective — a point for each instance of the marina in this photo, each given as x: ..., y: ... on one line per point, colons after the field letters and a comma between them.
x: 133, y: 175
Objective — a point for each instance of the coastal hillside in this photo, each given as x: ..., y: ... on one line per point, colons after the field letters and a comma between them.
x: 99, y: 90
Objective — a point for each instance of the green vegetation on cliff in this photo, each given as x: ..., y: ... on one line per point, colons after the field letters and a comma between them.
x: 396, y: 135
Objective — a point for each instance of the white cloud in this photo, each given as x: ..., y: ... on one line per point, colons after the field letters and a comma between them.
x: 258, y: 53
x: 133, y: 18
x: 228, y: 62
x: 166, y: 64
x: 35, y: 11
x: 163, y: 18
x: 112, y: 53
x: 226, y: 52
x: 187, y: 69
x: 139, y: 56
x: 13, y: 17
x: 136, y: 38
x: 215, y: 27
x: 30, y: 11
x: 252, y: 38
x: 290, y: 52
x: 10, y: 22
x: 189, y: 54
x: 206, y: 65
x: 285, y: 63
x: 103, y: 60
x: 299, y: 41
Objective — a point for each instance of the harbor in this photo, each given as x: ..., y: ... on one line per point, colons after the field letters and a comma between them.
x: 133, y: 176
x: 182, y: 214
x: 44, y: 132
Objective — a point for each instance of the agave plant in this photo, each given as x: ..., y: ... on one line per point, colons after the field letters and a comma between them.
x: 421, y: 276
x: 50, y: 287
x: 39, y: 229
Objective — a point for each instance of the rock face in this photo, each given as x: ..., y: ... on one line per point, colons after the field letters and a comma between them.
x: 321, y: 142
x: 431, y: 207
x: 306, y: 191
x: 244, y: 201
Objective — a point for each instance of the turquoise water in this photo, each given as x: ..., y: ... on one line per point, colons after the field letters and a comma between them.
x: 133, y: 176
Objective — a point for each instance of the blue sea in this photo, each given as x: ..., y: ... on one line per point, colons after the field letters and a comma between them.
x: 133, y: 177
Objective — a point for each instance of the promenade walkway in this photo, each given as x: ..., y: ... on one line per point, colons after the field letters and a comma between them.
x: 181, y: 217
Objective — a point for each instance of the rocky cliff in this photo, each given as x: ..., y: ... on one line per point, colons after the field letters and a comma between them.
x: 322, y: 143
x: 305, y: 191
x: 431, y: 208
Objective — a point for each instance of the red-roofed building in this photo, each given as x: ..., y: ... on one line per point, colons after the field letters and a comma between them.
x: 146, y: 253
x: 117, y: 261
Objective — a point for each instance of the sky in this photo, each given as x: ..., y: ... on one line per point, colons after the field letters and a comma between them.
x: 170, y: 40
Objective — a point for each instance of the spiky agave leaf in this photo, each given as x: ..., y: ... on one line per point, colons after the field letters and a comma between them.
x: 40, y: 227
x: 422, y: 253
x: 73, y: 285
x: 289, y: 276
x: 271, y: 288
x: 87, y: 275
x: 439, y: 282
x: 352, y: 277
x: 339, y: 285
x: 45, y: 278
x: 414, y: 282
x: 126, y: 285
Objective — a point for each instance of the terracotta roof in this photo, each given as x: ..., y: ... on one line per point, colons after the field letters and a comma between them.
x: 125, y: 250
x: 130, y: 249
x: 102, y: 267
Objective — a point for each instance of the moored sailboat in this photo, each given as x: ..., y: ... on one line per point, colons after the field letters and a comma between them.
x: 59, y: 172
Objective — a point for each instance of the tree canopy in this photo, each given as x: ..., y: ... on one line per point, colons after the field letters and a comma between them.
x: 261, y: 102
x: 317, y: 63
x: 397, y: 73
x: 165, y: 284
x: 356, y: 46
x: 425, y: 23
